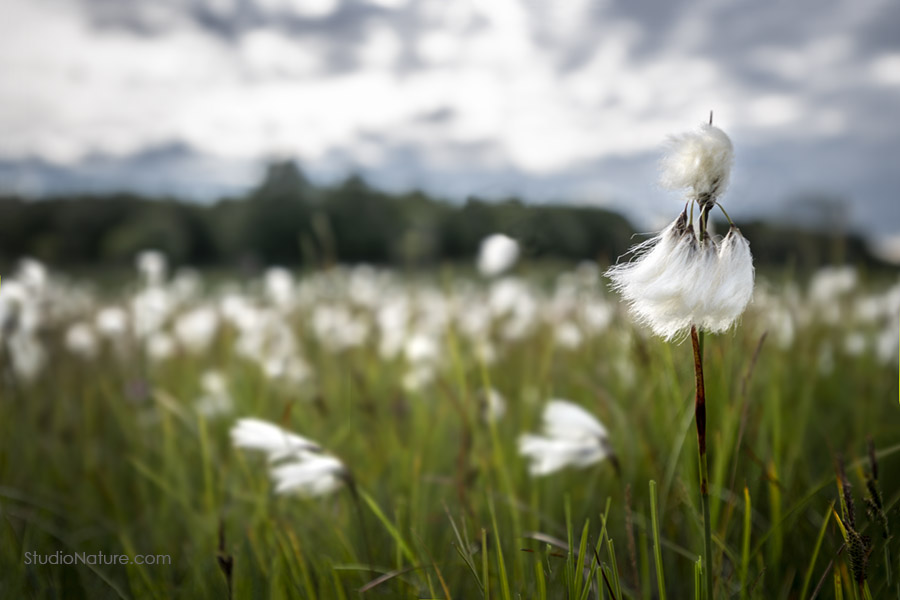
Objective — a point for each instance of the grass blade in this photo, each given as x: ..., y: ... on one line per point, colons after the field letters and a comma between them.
x: 745, y: 545
x: 812, y: 561
x: 401, y: 543
x: 501, y: 565
x: 657, y: 552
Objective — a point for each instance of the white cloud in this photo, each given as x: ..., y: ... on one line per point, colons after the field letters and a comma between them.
x: 543, y: 88
x: 885, y: 69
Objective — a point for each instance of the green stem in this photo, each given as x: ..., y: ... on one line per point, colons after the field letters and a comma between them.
x: 700, y: 419
x: 722, y: 208
x: 657, y: 544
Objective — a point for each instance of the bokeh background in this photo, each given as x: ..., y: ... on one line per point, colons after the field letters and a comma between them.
x: 214, y: 210
x: 402, y: 130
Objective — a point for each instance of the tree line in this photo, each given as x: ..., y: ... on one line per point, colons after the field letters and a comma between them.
x: 289, y: 221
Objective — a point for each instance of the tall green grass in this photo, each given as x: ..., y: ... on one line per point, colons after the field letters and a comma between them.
x: 91, y: 461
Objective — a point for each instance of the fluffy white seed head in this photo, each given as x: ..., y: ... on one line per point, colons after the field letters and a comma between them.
x: 277, y: 443
x: 731, y: 287
x: 548, y: 455
x: 216, y: 400
x: 152, y: 266
x: 564, y: 419
x: 571, y: 436
x: 81, y: 340
x: 196, y: 329
x: 497, y: 253
x: 675, y: 281
x: 301, y: 468
x: 700, y: 160
x: 313, y: 476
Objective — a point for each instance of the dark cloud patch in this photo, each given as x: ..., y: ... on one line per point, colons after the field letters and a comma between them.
x: 440, y: 115
x: 880, y: 34
x: 172, y: 169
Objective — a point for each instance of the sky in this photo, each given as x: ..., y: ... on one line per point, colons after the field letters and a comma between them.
x: 566, y: 101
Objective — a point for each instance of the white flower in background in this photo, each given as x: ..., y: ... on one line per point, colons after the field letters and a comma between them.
x: 82, y: 341
x: 829, y: 284
x: 571, y: 436
x: 186, y: 285
x: 299, y: 465
x: 684, y: 277
x: 337, y: 328
x: 418, y: 377
x: 392, y: 319
x: 497, y: 254
x: 422, y: 354
x: 32, y: 274
x: 312, y: 476
x: 827, y: 288
x: 22, y: 307
x: 238, y: 311
x: 159, y: 346
x: 26, y: 354
x: 781, y: 323
x: 152, y: 266
x: 279, y: 286
x: 596, y: 315
x: 474, y: 320
x: 21, y: 316
x: 855, y: 343
x: 887, y: 344
x: 277, y: 443
x: 288, y: 368
x: 493, y: 405
x: 505, y: 294
x: 421, y: 349
x: 150, y: 308
x: 13, y: 300
x: 196, y: 329
x: 486, y: 351
x: 112, y: 322
x: 216, y: 399
x: 568, y: 336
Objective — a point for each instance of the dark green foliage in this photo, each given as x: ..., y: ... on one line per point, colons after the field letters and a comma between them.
x: 287, y: 220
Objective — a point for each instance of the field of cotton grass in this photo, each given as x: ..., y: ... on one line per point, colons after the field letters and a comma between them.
x: 678, y: 426
x: 358, y: 432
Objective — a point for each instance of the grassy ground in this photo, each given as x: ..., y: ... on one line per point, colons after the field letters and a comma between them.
x: 109, y: 455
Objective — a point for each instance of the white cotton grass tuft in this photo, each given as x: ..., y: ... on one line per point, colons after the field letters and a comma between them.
x: 700, y: 160
x: 683, y: 277
x: 497, y: 254
x: 571, y: 436
x: 277, y: 443
x: 298, y: 466
x: 216, y: 400
x: 152, y: 266
x: 82, y: 341
x: 312, y: 476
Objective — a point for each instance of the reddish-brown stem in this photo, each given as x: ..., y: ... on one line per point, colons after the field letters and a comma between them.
x: 700, y: 402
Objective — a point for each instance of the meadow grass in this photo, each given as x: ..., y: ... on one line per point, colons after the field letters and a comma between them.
x: 110, y: 455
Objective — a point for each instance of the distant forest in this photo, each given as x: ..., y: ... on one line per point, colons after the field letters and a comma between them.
x: 288, y: 221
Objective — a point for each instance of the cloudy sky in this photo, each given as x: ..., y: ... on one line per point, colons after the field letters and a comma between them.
x: 550, y: 100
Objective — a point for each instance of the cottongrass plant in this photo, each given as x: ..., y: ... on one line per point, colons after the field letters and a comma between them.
x: 497, y: 253
x: 683, y: 281
x: 571, y: 436
x: 298, y: 465
x: 151, y: 423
